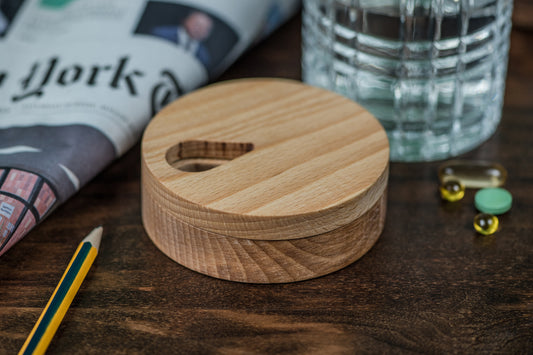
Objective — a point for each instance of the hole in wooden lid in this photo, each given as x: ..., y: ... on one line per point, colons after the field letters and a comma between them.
x: 198, y: 156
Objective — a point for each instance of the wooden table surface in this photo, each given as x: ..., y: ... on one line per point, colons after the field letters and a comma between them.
x: 429, y: 285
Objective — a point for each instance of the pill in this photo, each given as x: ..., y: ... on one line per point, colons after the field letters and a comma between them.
x: 494, y: 200
x: 473, y: 173
x: 486, y: 223
x: 452, y: 190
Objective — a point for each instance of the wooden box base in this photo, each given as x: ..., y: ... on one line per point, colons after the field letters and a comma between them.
x: 261, y: 261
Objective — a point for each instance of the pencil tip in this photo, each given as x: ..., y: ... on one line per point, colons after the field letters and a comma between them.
x: 94, y: 237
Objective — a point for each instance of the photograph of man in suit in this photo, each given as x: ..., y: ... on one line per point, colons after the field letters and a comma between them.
x: 194, y: 29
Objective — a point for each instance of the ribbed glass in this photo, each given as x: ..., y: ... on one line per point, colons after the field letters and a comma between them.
x: 432, y: 71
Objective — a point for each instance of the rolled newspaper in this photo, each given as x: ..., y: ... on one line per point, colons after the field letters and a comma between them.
x: 80, y: 79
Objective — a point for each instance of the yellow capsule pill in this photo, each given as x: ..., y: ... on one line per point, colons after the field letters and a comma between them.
x: 473, y: 173
x: 452, y: 190
x: 486, y: 223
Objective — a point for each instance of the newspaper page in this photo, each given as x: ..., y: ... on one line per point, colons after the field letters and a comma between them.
x: 80, y: 79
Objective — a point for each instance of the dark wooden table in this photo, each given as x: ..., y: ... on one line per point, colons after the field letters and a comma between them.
x: 429, y: 285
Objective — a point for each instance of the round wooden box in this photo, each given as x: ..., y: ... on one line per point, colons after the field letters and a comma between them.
x: 264, y: 181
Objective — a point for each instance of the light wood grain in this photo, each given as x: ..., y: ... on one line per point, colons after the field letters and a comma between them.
x: 318, y: 162
x: 261, y: 261
x: 264, y: 181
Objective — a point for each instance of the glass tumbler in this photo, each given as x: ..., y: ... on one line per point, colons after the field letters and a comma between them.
x: 432, y: 71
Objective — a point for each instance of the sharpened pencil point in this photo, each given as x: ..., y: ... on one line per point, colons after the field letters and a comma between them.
x: 94, y: 237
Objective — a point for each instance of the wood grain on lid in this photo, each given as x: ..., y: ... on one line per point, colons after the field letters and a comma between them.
x: 291, y: 160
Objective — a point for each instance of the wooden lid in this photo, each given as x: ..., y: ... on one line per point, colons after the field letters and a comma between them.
x: 291, y: 160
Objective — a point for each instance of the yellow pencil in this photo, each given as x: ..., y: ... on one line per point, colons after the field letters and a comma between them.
x: 57, y: 306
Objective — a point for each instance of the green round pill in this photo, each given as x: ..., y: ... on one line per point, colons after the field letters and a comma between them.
x: 493, y: 200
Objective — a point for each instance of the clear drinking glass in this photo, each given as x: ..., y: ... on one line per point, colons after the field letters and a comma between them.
x: 432, y: 71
